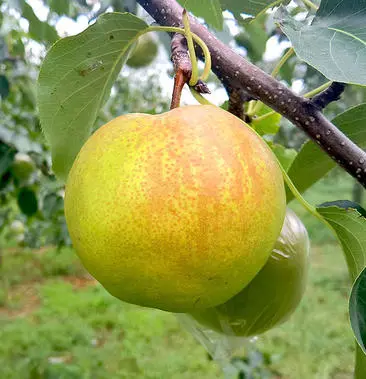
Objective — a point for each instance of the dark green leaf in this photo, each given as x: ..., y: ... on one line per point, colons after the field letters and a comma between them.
x: 311, y: 164
x: 27, y: 201
x: 3, y: 49
x: 209, y: 10
x: 76, y: 78
x: 4, y: 87
x: 350, y: 226
x: 7, y: 154
x: 339, y: 31
x: 357, y: 309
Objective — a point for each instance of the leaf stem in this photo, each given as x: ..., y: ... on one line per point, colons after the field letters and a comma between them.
x: 282, y: 61
x: 310, y: 4
x: 201, y: 99
x: 300, y: 199
x: 317, y: 90
x: 192, y: 53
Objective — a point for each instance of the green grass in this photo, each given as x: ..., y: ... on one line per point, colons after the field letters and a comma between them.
x: 56, y: 323
x: 68, y: 327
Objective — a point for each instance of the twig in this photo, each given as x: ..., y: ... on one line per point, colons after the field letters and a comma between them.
x: 237, y: 98
x: 233, y: 69
x: 332, y: 93
x: 182, y: 67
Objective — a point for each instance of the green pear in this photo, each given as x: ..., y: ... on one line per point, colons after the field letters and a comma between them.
x: 275, y: 292
x: 144, y: 52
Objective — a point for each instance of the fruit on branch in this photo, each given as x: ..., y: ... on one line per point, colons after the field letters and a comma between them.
x: 144, y: 52
x: 176, y: 211
x: 22, y: 167
x: 273, y: 295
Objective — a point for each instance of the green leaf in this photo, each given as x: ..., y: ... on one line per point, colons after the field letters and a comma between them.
x: 38, y: 30
x: 7, y: 154
x: 76, y: 78
x: 284, y: 155
x: 269, y: 125
x: 254, y: 38
x: 27, y: 201
x: 250, y: 7
x: 4, y: 87
x: 339, y: 31
x: 60, y: 7
x: 209, y: 10
x: 348, y: 221
x: 357, y: 309
x: 311, y: 163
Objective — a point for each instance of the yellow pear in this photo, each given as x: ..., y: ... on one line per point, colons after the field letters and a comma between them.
x: 177, y: 211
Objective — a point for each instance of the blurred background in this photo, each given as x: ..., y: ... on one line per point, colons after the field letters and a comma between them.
x: 55, y: 320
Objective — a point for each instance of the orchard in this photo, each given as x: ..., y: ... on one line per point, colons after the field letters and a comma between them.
x: 182, y: 189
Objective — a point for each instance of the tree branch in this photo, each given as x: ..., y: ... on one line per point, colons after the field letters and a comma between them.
x: 183, y: 69
x: 237, y: 72
x: 332, y: 93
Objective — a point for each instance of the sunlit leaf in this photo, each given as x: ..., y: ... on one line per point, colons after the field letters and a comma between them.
x: 269, y: 125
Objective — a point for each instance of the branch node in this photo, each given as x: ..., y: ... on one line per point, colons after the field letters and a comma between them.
x: 332, y: 93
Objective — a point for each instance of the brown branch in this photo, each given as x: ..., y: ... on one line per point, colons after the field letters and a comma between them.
x: 234, y: 70
x: 332, y: 93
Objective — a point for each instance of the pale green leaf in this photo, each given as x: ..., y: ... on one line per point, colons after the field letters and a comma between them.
x: 339, y: 31
x: 269, y: 125
x: 75, y: 79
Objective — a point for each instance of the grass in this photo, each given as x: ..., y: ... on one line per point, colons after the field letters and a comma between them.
x: 57, y: 323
